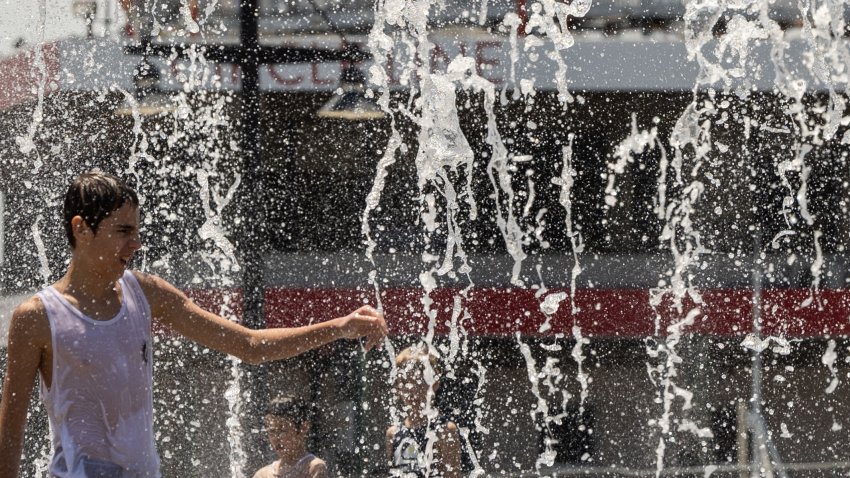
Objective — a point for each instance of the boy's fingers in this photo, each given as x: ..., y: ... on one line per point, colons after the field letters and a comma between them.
x: 368, y: 310
x: 377, y: 334
x: 373, y: 341
x: 382, y: 326
x: 375, y: 326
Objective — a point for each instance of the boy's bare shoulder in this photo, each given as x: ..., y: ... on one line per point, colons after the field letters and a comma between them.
x: 30, y: 309
x: 147, y: 280
x: 30, y: 318
x: 153, y: 284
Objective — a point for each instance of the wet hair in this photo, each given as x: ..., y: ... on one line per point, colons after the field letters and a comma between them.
x: 94, y: 196
x: 290, y: 408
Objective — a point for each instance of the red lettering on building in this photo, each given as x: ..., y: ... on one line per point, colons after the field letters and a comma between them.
x: 314, y: 76
x: 437, y: 53
x: 275, y: 73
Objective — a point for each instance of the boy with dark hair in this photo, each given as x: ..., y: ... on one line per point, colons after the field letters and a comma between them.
x: 88, y: 338
x: 287, y: 423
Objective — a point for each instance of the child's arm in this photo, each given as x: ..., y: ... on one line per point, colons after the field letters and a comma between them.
x: 391, y: 431
x: 29, y: 335
x: 448, y: 450
x: 172, y: 308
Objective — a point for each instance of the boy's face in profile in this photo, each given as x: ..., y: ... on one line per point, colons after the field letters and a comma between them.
x: 284, y: 433
x: 117, y: 239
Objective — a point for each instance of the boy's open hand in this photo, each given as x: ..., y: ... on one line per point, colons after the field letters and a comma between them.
x: 365, y: 322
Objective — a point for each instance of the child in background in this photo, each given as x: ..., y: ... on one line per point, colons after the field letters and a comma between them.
x: 288, y: 424
x: 421, y: 446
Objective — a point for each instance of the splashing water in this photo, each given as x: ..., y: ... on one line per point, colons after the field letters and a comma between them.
x: 828, y: 361
x: 26, y: 142
x: 447, y: 159
x: 44, y: 265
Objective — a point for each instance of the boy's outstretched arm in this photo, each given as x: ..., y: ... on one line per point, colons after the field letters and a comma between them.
x: 172, y: 308
x: 29, y: 335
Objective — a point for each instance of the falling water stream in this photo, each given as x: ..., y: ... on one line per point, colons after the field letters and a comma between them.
x: 724, y: 69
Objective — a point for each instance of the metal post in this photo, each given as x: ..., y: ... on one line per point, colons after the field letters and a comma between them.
x: 251, y: 237
x: 252, y: 217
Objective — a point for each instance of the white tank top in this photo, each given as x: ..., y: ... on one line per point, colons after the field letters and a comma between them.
x: 100, y: 403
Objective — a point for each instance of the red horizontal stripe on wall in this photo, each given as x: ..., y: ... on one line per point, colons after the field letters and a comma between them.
x: 600, y: 312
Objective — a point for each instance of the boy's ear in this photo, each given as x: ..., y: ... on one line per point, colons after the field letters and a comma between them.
x: 79, y: 227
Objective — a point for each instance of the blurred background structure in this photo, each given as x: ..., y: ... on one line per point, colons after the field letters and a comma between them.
x: 220, y: 130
